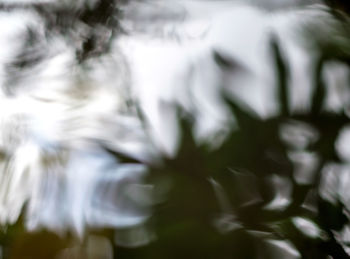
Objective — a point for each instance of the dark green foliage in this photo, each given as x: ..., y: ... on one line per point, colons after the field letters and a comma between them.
x: 343, y: 5
x: 200, y: 219
x: 282, y: 76
x: 215, y: 201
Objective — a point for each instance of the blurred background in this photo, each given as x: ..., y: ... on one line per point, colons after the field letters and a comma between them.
x: 174, y: 129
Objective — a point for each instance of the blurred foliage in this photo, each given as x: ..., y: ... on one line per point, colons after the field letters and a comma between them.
x: 217, y: 204
x: 342, y: 5
x: 216, y: 201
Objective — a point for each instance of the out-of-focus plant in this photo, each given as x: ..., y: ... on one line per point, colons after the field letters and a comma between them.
x: 342, y: 5
x: 219, y: 203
